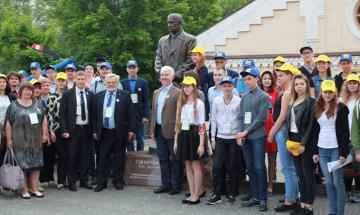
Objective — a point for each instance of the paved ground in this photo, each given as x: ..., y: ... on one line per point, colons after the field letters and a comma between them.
x: 132, y: 200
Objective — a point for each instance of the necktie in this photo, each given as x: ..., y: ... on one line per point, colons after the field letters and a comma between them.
x: 108, y: 103
x: 82, y: 103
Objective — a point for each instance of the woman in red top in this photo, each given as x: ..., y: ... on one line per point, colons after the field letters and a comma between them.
x: 268, y: 84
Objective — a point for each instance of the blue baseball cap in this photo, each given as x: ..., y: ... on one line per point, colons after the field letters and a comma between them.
x: 131, y: 63
x: 248, y: 63
x: 70, y: 66
x: 221, y: 55
x: 35, y: 65
x: 227, y: 79
x: 346, y: 57
x: 106, y: 64
x: 251, y: 71
x: 23, y: 73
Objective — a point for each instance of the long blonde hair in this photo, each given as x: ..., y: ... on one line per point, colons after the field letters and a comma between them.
x: 345, y: 94
x: 181, y: 102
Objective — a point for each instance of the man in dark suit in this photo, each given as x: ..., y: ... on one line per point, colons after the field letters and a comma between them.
x: 220, y: 59
x: 75, y: 126
x: 139, y: 90
x: 113, y: 124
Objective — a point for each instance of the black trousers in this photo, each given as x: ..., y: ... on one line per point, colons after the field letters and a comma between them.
x: 111, y: 146
x: 225, y: 155
x: 305, y: 170
x: 79, y: 150
x: 62, y: 158
x: 47, y: 172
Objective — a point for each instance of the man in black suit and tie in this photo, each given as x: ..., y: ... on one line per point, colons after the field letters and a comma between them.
x: 139, y: 91
x: 75, y: 126
x: 113, y: 124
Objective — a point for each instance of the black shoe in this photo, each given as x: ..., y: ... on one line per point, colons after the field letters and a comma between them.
x: 174, y: 192
x: 185, y: 201
x: 119, y: 186
x: 246, y: 198
x: 201, y: 195
x: 298, y: 211
x: 93, y: 182
x: 308, y: 212
x: 281, y: 201
x: 86, y: 185
x: 284, y: 208
x: 195, y: 202
x: 215, y: 199
x: 231, y: 200
x: 162, y: 189
x: 251, y: 202
x: 100, y: 187
x: 72, y: 187
x: 263, y: 206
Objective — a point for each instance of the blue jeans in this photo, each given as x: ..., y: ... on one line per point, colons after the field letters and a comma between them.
x: 139, y: 138
x: 287, y: 166
x: 254, y: 155
x: 335, y: 186
x: 171, y: 169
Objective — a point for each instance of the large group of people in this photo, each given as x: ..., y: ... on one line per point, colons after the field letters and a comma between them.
x: 84, y: 123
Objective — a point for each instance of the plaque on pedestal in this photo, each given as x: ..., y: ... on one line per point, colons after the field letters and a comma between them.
x: 142, y: 169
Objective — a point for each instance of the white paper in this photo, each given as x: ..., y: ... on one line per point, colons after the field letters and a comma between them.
x: 334, y: 165
x: 33, y: 118
x: 108, y: 112
x: 134, y: 98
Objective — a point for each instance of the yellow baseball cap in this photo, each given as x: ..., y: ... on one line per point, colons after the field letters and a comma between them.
x: 3, y: 76
x: 34, y: 81
x: 280, y: 59
x: 293, y: 147
x: 188, y: 80
x: 198, y: 49
x: 61, y: 75
x: 328, y: 85
x: 287, y: 67
x: 353, y: 77
x: 296, y: 71
x: 323, y: 58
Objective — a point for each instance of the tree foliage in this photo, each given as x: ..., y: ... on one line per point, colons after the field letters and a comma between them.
x: 116, y: 29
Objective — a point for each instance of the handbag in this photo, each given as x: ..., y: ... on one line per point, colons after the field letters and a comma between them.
x: 11, y: 175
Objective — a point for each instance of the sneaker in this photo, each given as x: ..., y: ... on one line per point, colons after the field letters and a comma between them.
x: 263, y: 206
x: 298, y: 211
x: 231, y: 200
x: 250, y: 203
x: 45, y: 184
x: 246, y: 198
x: 61, y: 187
x: 308, y: 212
x: 215, y: 199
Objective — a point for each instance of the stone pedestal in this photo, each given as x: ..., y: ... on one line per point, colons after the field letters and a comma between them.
x: 142, y: 169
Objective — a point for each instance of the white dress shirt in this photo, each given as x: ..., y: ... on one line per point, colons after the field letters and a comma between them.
x: 79, y: 121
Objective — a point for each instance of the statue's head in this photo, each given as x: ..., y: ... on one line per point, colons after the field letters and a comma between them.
x: 174, y: 22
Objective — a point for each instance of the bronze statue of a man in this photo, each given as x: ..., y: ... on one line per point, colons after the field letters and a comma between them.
x: 174, y: 48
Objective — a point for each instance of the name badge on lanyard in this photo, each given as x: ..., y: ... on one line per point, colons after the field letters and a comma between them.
x: 134, y: 98
x: 109, y: 112
x: 227, y: 128
x: 33, y: 118
x: 247, y: 118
